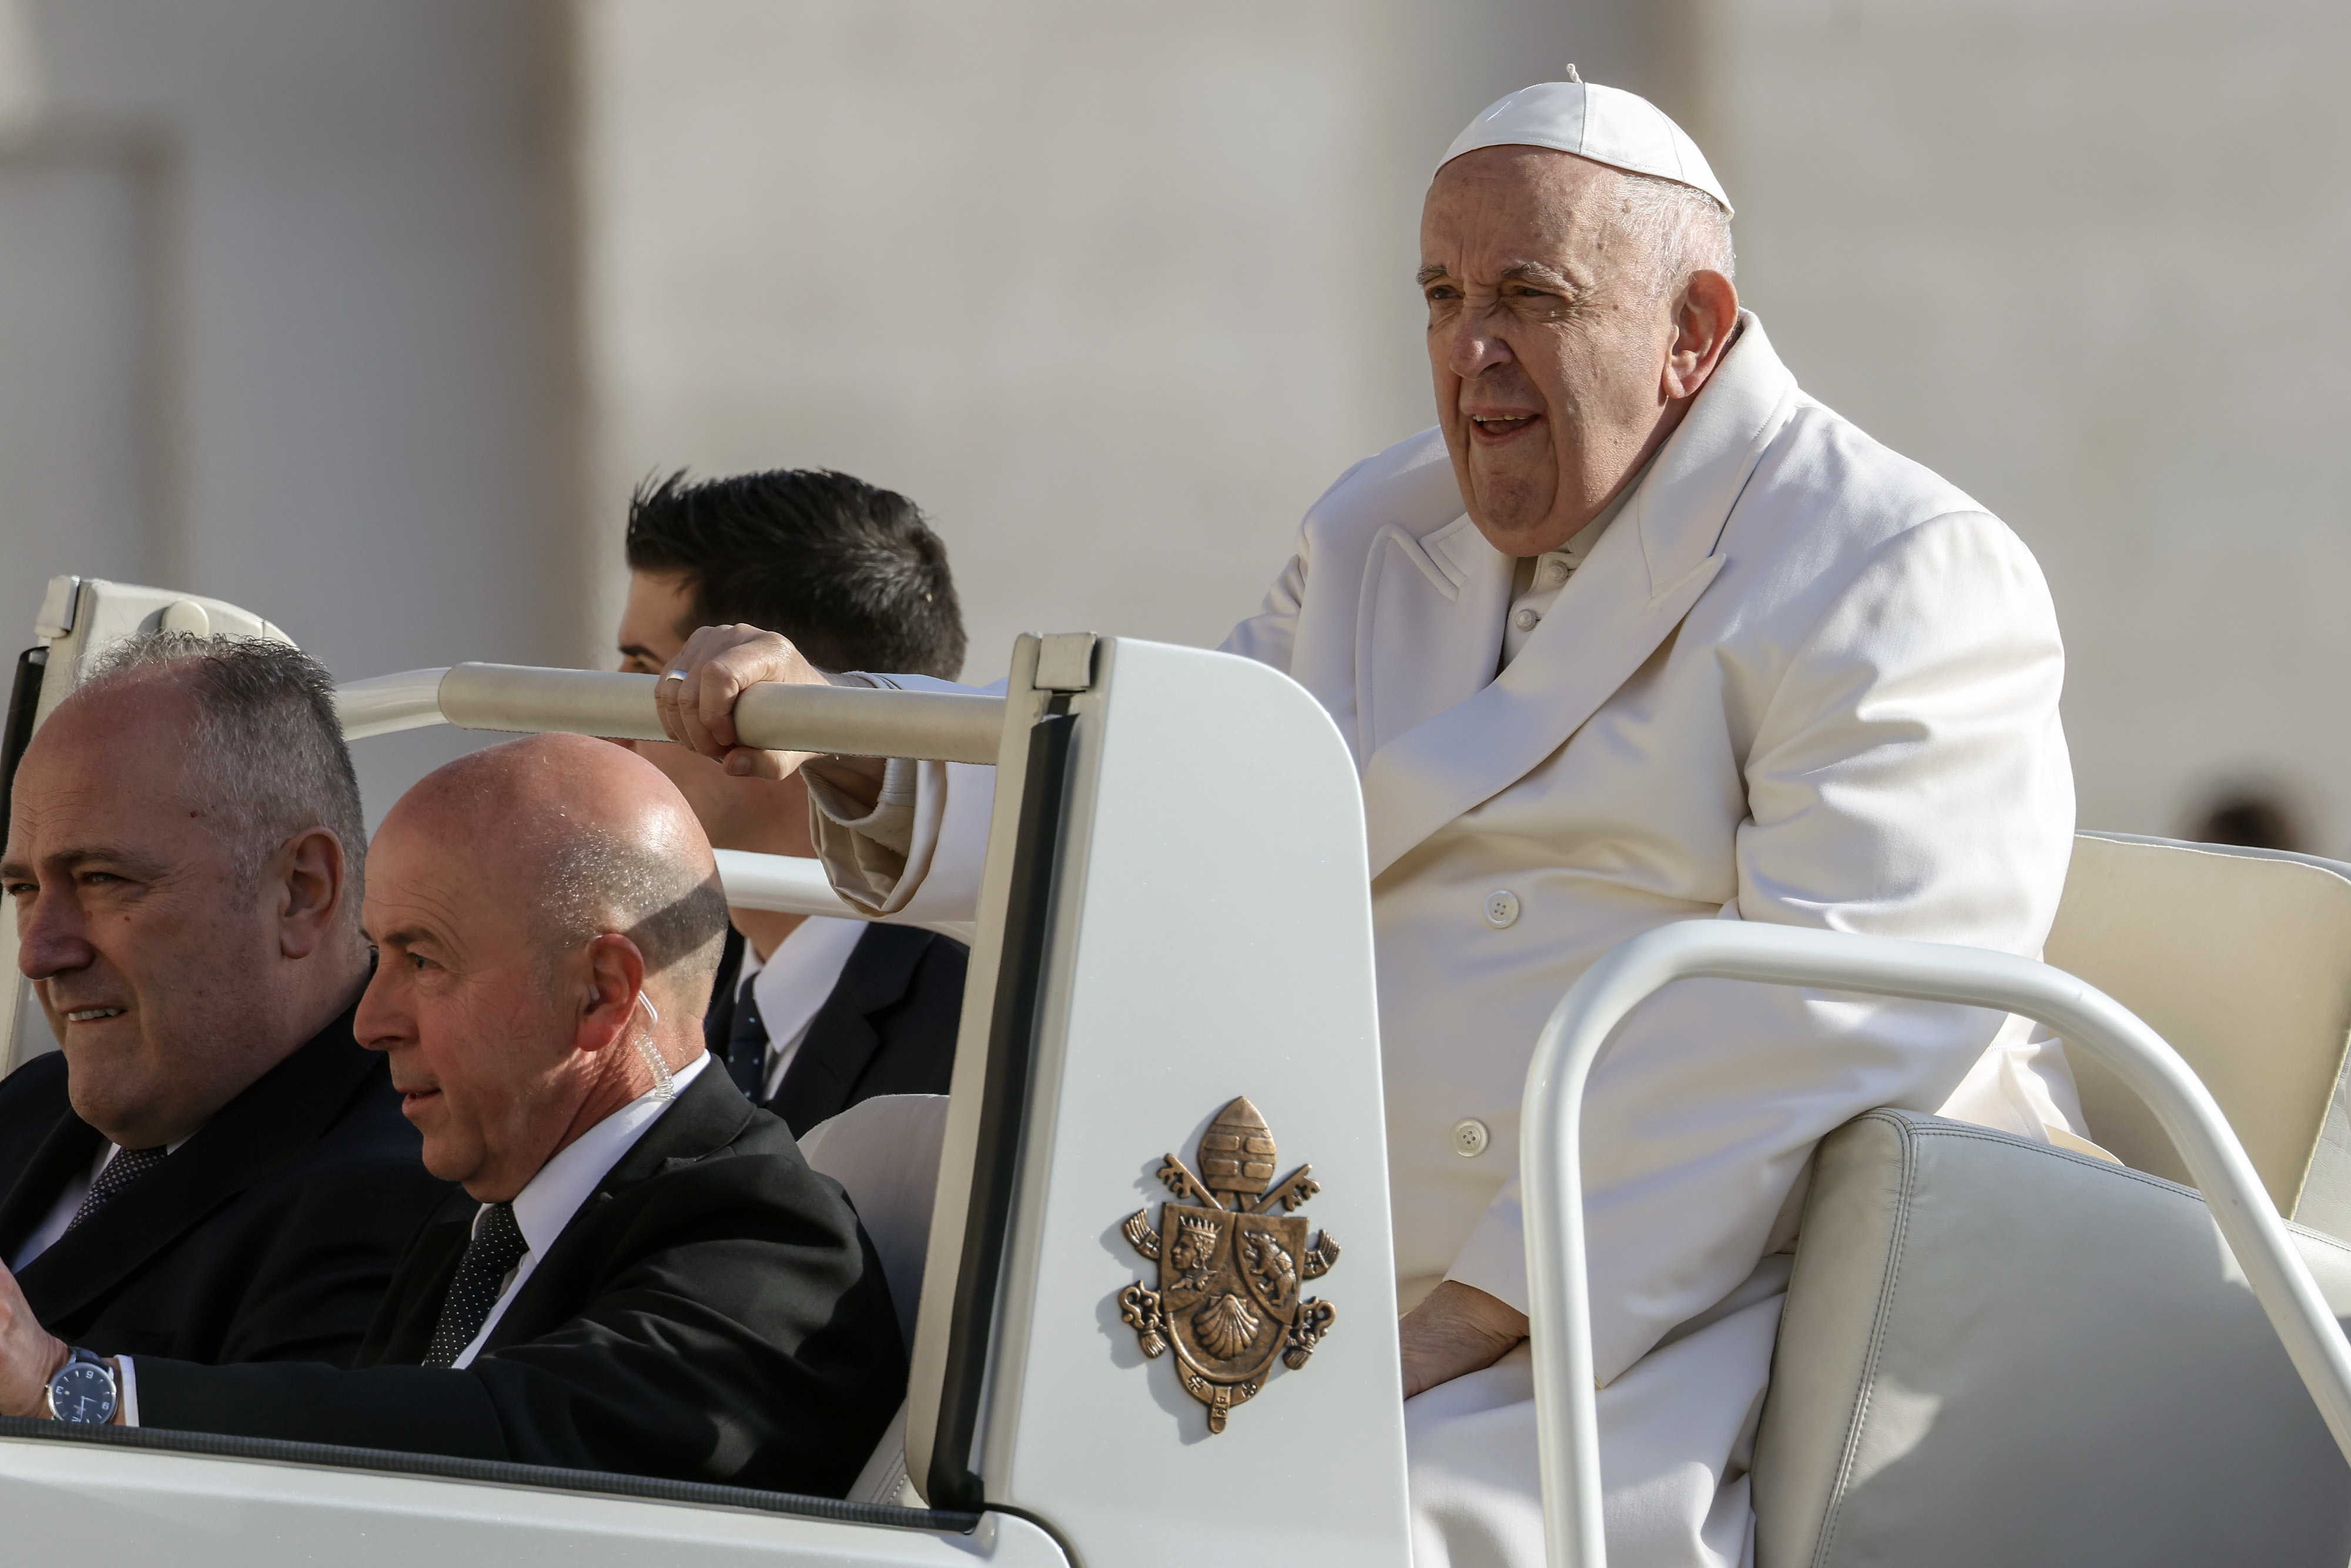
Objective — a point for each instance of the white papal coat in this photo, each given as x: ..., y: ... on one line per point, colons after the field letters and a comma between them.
x: 1799, y: 679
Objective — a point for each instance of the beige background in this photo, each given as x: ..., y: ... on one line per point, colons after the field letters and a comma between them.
x: 369, y: 314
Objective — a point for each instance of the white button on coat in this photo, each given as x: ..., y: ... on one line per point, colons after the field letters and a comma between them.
x: 1502, y: 908
x: 1470, y: 1137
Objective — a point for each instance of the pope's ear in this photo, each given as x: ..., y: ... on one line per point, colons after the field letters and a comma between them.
x: 1706, y: 317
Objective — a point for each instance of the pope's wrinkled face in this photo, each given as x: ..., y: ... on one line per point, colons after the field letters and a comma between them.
x: 481, y: 1053
x: 1546, y: 337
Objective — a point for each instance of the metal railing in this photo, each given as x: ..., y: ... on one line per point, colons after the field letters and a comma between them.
x: 1550, y: 1173
x: 951, y: 726
x: 849, y: 721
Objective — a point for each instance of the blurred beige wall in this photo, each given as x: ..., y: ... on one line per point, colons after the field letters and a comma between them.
x: 2082, y: 256
x: 1113, y: 290
x: 286, y: 318
x: 368, y: 315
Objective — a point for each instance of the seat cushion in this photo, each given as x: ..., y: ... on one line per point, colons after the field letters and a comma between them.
x: 885, y: 1153
x: 1994, y: 1350
x: 2242, y: 962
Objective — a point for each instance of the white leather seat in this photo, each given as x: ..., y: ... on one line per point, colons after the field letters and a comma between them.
x: 2241, y: 960
x: 885, y: 1153
x: 1997, y: 1351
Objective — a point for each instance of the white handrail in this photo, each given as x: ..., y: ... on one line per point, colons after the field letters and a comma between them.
x: 854, y: 721
x: 791, y: 885
x: 386, y: 705
x: 1552, y: 1176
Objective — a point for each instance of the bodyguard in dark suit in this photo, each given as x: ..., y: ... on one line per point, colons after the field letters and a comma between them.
x: 750, y: 1265
x: 887, y: 1027
x: 177, y: 854
x: 271, y: 1238
x: 857, y: 580
x: 643, y: 1275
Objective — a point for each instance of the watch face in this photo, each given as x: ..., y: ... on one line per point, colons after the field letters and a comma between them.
x: 83, y: 1393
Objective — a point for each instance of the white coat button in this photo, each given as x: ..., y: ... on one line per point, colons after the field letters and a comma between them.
x: 1470, y: 1137
x: 1501, y: 909
x: 1529, y: 620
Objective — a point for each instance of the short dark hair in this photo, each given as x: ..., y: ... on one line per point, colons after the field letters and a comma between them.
x: 851, y: 572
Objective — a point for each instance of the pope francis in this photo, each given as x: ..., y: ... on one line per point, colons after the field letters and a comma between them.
x: 1638, y: 633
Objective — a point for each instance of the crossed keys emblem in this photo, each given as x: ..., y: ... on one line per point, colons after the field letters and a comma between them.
x: 1230, y: 1267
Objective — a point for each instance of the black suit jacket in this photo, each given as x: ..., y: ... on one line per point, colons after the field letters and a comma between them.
x: 888, y: 1027
x: 269, y: 1236
x: 713, y: 1312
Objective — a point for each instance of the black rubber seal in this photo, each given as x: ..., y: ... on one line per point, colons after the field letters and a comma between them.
x: 1003, y: 1109
x: 24, y: 702
x: 495, y: 1472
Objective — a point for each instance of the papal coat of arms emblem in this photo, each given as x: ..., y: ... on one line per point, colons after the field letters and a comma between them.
x: 1230, y: 1267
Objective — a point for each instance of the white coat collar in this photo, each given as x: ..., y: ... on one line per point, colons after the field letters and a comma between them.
x: 1441, y: 733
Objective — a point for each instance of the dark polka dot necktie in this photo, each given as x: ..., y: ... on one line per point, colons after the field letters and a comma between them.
x: 747, y: 1045
x: 127, y: 1166
x: 496, y: 1247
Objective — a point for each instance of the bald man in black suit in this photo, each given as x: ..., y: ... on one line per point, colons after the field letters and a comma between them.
x: 641, y: 1274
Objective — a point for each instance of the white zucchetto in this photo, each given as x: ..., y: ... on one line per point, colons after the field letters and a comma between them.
x: 1606, y: 124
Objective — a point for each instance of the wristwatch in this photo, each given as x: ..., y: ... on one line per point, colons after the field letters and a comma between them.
x: 83, y: 1391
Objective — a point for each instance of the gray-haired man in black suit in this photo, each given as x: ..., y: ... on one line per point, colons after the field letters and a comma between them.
x: 211, y: 1168
x: 642, y: 1275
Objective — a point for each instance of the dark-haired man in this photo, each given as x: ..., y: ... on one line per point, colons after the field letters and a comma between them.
x: 642, y: 1275
x: 211, y: 1168
x: 811, y: 1015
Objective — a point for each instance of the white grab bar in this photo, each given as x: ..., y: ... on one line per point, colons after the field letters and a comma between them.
x: 1552, y: 1176
x: 790, y: 885
x: 389, y: 704
x: 853, y: 721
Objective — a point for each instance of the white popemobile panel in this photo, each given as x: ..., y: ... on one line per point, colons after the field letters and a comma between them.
x: 1138, y: 999
x: 1123, y: 993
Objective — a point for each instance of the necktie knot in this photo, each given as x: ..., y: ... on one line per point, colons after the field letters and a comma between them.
x: 497, y: 1246
x: 126, y: 1167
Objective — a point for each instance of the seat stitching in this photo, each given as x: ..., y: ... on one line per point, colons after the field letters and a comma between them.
x: 1876, y: 1338
x: 2024, y: 1146
x: 1911, y: 1131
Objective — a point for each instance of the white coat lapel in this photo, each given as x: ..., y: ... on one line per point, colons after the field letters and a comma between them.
x: 1428, y: 631
x: 1647, y: 570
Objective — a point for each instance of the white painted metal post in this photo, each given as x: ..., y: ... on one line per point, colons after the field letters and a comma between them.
x: 1551, y: 1174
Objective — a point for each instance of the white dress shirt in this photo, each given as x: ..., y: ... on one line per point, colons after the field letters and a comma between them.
x: 547, y: 1203
x: 792, y: 984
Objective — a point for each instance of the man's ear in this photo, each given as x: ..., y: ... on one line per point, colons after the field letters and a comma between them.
x: 616, y: 971
x: 1706, y: 319
x: 307, y: 877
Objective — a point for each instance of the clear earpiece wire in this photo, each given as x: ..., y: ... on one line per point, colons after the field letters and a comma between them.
x: 665, y: 1082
